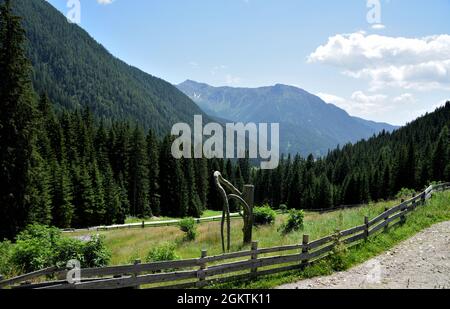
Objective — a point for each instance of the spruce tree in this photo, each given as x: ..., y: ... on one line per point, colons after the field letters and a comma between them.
x: 16, y: 124
x: 153, y: 172
x: 138, y: 181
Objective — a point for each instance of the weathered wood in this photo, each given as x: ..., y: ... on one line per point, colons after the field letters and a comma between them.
x: 248, y: 195
x: 131, y: 281
x: 366, y: 228
x: 279, y: 249
x: 254, y: 257
x: 354, y: 238
x: 36, y: 274
x: 228, y: 256
x: 305, y: 250
x: 136, y: 262
x: 352, y: 231
x: 141, y: 268
x: 321, y: 251
x: 320, y: 242
x: 203, y: 266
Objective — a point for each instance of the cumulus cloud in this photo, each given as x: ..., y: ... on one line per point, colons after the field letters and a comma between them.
x: 411, y: 63
x: 363, y: 105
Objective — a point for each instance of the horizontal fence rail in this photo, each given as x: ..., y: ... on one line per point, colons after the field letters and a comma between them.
x: 206, y: 270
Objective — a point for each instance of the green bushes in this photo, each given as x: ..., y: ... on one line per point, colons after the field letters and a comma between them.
x: 405, y: 193
x: 188, y: 226
x: 294, y: 221
x: 5, y: 257
x: 39, y: 247
x: 263, y: 215
x: 162, y: 253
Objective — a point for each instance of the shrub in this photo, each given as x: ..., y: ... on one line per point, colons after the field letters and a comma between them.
x: 38, y: 247
x: 264, y: 215
x: 337, y: 258
x: 405, y: 193
x: 5, y: 258
x: 294, y: 222
x: 188, y: 226
x: 162, y: 253
x: 284, y: 208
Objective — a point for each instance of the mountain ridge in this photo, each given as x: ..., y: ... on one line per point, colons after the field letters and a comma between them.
x: 307, y: 123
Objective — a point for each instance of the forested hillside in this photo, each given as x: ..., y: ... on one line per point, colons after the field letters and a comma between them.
x: 76, y: 72
x: 375, y: 169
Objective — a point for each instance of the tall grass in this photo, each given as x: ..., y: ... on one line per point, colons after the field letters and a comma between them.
x: 131, y: 244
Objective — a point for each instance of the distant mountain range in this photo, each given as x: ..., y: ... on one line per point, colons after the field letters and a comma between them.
x: 307, y: 123
x: 78, y: 72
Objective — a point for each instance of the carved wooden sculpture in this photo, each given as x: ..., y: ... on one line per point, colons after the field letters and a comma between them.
x: 245, y: 199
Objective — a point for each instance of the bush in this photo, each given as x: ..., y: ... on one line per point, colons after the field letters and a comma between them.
x: 162, y: 253
x: 294, y: 222
x: 284, y: 208
x: 337, y: 259
x: 5, y: 258
x: 188, y: 226
x: 263, y: 215
x: 405, y: 193
x: 38, y: 247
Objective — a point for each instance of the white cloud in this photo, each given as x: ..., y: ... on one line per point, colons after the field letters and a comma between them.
x: 419, y: 63
x: 105, y: 2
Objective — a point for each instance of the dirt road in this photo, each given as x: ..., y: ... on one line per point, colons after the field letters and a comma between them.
x: 422, y: 261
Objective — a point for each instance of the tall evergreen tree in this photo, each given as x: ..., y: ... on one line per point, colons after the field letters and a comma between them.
x: 138, y: 176
x: 16, y: 124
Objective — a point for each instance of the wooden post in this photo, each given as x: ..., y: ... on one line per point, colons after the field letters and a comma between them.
x: 305, y: 250
x: 136, y: 262
x: 248, y: 195
x: 386, y: 227
x: 254, y: 270
x: 403, y: 216
x: 201, y: 272
x: 366, y: 230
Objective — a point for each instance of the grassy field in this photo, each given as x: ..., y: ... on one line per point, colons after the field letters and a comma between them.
x: 131, y: 244
x: 206, y: 214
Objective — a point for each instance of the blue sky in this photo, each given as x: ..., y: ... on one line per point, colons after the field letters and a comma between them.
x: 391, y: 72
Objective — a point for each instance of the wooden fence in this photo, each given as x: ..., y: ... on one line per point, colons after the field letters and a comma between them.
x: 207, y: 270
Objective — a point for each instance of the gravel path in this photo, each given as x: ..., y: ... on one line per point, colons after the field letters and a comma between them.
x: 421, y: 262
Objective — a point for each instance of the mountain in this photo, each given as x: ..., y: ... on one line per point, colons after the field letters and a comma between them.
x: 78, y: 72
x: 307, y: 123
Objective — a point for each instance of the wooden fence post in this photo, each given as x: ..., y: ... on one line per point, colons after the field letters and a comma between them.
x: 248, y: 195
x: 254, y: 270
x: 201, y: 272
x: 136, y: 262
x: 305, y: 250
x: 386, y: 227
x: 366, y: 229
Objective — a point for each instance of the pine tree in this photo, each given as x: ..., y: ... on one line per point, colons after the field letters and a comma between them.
x: 153, y: 172
x: 201, y: 178
x: 194, y: 205
x: 172, y: 185
x: 16, y: 124
x: 138, y: 176
x: 440, y: 156
x: 62, y: 195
